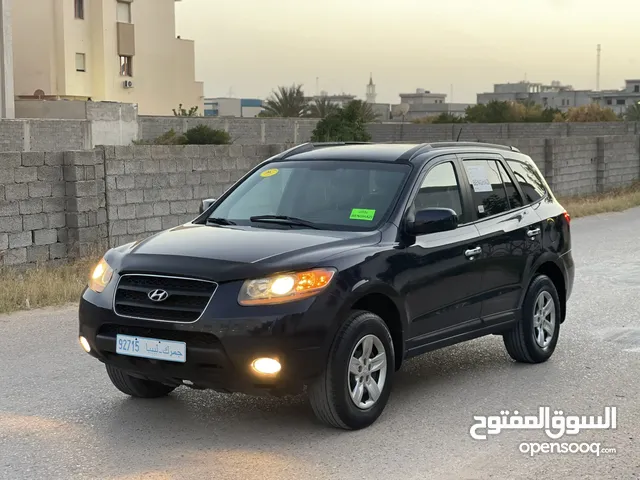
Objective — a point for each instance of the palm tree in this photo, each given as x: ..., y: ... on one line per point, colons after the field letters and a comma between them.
x: 362, y: 111
x: 322, y: 107
x: 286, y: 102
x: 633, y: 113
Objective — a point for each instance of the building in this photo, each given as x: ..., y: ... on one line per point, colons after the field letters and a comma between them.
x: 7, y: 106
x: 340, y: 100
x: 619, y: 100
x: 232, y: 107
x: 371, y: 90
x: 424, y: 103
x: 104, y: 50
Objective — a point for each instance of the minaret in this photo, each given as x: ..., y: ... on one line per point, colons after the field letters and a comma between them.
x: 371, y: 90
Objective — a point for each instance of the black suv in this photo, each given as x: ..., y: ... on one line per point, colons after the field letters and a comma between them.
x: 329, y: 265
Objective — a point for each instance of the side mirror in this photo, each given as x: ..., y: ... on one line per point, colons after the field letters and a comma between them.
x: 433, y: 220
x: 206, y: 204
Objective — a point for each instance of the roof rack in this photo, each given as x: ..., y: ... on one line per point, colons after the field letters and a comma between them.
x: 309, y: 146
x: 473, y: 144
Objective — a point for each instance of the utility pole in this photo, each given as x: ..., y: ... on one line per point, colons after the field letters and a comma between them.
x: 7, y: 98
x: 599, y: 49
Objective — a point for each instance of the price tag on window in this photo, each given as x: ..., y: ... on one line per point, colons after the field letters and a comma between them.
x: 479, y: 179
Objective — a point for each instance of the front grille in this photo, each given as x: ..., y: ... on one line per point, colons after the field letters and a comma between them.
x: 186, y: 300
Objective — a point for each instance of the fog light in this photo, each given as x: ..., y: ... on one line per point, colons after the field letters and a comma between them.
x: 266, y: 366
x: 85, y: 344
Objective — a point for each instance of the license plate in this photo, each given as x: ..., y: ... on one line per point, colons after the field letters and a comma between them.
x: 153, y: 348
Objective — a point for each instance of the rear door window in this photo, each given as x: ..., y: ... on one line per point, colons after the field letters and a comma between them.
x: 529, y: 180
x: 488, y: 192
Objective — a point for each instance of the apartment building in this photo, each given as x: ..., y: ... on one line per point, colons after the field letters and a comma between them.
x: 232, y: 107
x: 104, y: 50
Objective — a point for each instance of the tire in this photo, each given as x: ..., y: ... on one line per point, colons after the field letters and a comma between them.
x: 330, y: 395
x: 136, y: 387
x: 523, y: 342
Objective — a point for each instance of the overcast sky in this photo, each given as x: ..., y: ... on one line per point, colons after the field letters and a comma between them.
x: 252, y: 46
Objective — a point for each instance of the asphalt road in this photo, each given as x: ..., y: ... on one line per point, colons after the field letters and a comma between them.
x: 60, y: 418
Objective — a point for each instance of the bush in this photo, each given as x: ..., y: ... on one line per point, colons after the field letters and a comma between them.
x: 588, y: 113
x: 204, y: 135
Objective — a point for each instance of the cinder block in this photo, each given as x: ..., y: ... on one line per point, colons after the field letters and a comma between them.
x: 57, y: 220
x: 153, y: 195
x: 9, y: 208
x: 161, y: 208
x: 135, y: 226
x: 168, y: 166
x: 235, y: 151
x: 153, y: 224
x: 25, y: 174
x: 39, y: 189
x: 32, y: 159
x: 50, y: 174
x: 160, y: 152
x: 144, y: 181
x: 20, y: 239
x: 58, y: 189
x: 125, y: 182
x: 79, y: 157
x: 15, y: 256
x: 177, y: 179
x: 124, y: 153
x: 38, y: 254
x: 57, y: 251
x: 53, y: 204
x: 4, y: 241
x: 200, y: 164
x: 127, y: 212
x: 31, y: 206
x: 144, y: 210
x: 114, y: 167
x: 118, y: 227
x: 35, y: 222
x: 201, y: 192
x: 54, y: 159
x: 178, y: 207
x: 10, y: 160
x: 135, y: 196
x: 133, y: 166
x: 142, y: 152
x: 192, y: 178
x: 90, y: 172
x: 11, y: 224
x: 160, y: 180
x: 7, y: 176
x: 115, y: 197
x: 151, y: 166
x: 45, y: 237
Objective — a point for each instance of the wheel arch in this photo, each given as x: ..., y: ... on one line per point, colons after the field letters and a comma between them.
x: 549, y: 266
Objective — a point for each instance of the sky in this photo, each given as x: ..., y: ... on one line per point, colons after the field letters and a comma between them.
x: 250, y: 47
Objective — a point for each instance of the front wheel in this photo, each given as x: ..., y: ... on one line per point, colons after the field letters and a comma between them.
x: 355, y: 386
x: 137, y: 387
x: 535, y: 336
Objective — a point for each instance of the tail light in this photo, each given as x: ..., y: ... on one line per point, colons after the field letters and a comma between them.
x: 567, y: 217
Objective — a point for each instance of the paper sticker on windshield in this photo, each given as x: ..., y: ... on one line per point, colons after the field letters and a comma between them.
x: 362, y: 214
x: 479, y: 178
x: 269, y: 173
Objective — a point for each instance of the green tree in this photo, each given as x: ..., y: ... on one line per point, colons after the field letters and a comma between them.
x: 347, y: 124
x: 204, y: 135
x: 492, y: 112
x: 633, y: 113
x: 181, y: 112
x: 321, y: 107
x: 588, y: 113
x: 286, y: 102
x: 448, y: 118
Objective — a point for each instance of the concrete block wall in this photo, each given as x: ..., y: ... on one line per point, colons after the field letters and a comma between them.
x: 152, y: 188
x: 44, y: 135
x: 64, y: 205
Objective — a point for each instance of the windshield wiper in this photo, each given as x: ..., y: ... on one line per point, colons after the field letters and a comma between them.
x: 285, y: 219
x: 220, y: 221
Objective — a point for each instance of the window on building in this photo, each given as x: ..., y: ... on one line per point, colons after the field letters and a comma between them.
x: 81, y: 62
x: 636, y: 88
x: 620, y: 101
x: 79, y: 9
x: 488, y: 192
x: 124, y: 12
x: 126, y: 66
x: 529, y: 181
x: 609, y: 101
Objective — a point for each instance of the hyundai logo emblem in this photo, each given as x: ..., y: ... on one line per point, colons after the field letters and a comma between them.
x: 158, y: 295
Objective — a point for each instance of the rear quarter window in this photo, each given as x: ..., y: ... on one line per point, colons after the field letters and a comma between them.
x: 527, y: 176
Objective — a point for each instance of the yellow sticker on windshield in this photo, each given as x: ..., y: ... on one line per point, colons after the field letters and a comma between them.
x: 269, y: 173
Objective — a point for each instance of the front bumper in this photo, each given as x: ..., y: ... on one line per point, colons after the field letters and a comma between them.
x: 222, y: 346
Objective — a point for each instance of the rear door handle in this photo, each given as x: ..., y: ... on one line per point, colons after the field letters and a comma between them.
x: 533, y: 232
x: 472, y: 252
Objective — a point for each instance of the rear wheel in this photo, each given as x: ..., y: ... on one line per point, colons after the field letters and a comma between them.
x: 137, y: 387
x: 356, y: 384
x: 535, y: 336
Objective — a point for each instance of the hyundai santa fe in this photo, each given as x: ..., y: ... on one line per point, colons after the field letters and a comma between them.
x: 329, y: 265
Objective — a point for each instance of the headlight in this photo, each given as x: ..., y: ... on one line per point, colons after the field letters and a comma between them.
x: 285, y: 288
x: 101, y: 276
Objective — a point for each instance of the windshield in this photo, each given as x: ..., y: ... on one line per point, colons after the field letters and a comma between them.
x: 342, y: 195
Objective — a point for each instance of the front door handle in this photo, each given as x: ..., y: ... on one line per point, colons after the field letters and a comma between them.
x: 472, y: 252
x: 533, y: 232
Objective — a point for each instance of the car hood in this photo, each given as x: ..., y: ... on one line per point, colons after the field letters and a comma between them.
x: 226, y: 253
